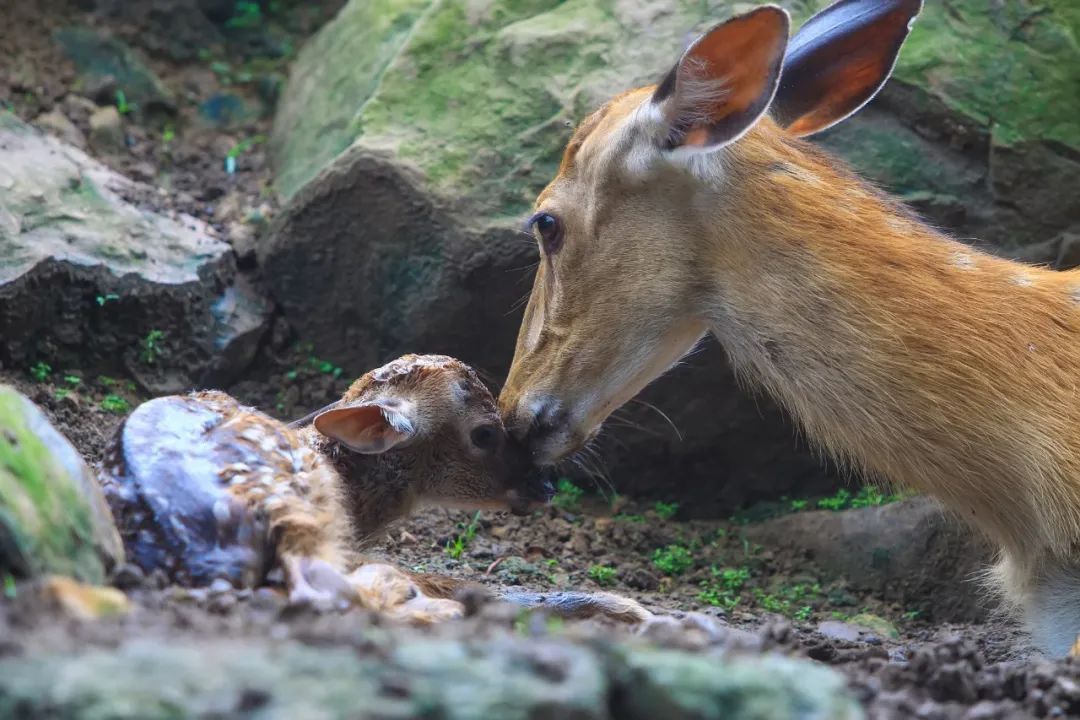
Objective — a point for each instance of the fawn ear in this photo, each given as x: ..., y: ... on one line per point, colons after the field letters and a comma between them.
x: 370, y: 428
x: 724, y: 81
x: 839, y: 60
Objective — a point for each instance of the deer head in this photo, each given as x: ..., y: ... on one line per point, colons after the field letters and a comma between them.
x: 424, y: 429
x: 655, y: 203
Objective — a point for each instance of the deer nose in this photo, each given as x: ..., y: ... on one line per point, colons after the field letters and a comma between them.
x: 542, y: 417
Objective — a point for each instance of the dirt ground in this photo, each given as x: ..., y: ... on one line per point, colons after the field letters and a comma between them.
x: 589, y: 540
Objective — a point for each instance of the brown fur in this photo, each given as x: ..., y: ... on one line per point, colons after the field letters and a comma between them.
x: 906, y: 354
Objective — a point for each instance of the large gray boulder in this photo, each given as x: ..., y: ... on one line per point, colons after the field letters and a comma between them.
x: 910, y: 552
x: 89, y: 269
x: 413, y: 136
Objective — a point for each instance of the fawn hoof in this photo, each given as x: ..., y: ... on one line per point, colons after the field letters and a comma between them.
x: 386, y: 589
x: 318, y: 584
x: 423, y: 610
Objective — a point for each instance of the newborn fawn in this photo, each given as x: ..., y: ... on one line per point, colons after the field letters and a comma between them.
x: 205, y: 488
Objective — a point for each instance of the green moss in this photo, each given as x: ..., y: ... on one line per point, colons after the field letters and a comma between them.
x: 1014, y: 66
x: 478, y: 96
x: 45, y: 524
x: 358, y: 44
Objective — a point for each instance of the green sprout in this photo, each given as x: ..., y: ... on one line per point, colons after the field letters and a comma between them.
x: 246, y: 15
x: 624, y: 517
x: 122, y: 104
x: 239, y: 149
x: 456, y: 547
x: 666, y: 511
x: 602, y: 574
x: 102, y: 299
x: 115, y: 404
x: 41, y: 371
x: 567, y: 494
x: 673, y: 559
x: 9, y: 586
x: 151, y: 347
x: 168, y: 135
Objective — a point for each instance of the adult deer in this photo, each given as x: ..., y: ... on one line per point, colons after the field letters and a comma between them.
x: 695, y: 206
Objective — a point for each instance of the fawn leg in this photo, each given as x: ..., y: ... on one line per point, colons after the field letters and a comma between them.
x: 307, y: 545
x: 579, y: 605
x: 387, y: 589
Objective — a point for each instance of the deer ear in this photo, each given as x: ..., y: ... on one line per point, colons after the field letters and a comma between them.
x: 724, y: 81
x: 839, y: 60
x: 370, y: 428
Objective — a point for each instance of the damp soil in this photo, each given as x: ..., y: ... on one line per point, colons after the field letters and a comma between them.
x: 771, y: 598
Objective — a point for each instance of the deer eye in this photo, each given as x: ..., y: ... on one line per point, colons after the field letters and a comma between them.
x: 484, y: 437
x: 550, y: 230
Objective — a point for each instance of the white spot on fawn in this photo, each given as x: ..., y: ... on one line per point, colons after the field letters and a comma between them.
x: 1075, y: 295
x: 1021, y: 280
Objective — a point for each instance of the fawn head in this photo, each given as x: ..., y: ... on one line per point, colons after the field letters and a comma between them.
x: 657, y: 189
x: 440, y: 420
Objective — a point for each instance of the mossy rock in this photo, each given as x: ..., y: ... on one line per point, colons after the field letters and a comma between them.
x: 477, y: 94
x: 485, y: 677
x: 53, y: 517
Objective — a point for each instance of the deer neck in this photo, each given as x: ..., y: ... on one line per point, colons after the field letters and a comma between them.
x: 375, y: 489
x: 902, y: 352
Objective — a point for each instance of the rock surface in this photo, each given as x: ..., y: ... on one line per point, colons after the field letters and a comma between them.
x: 413, y: 136
x: 88, y: 270
x: 53, y: 516
x: 417, y: 677
x: 909, y: 552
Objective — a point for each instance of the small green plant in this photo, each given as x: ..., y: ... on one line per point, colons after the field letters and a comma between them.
x: 168, y: 135
x: 673, y: 559
x: 41, y: 371
x: 61, y: 393
x: 797, y: 505
x: 868, y: 496
x: 106, y: 381
x: 456, y: 547
x: 122, y: 104
x: 602, y: 574
x: 10, y: 590
x: 246, y: 15
x: 151, y: 347
x: 623, y: 517
x: 839, y: 501
x: 725, y: 587
x: 239, y: 149
x: 244, y: 145
x: 72, y: 380
x: 803, y: 614
x: 666, y: 511
x: 114, y: 404
x: 912, y: 615
x: 788, y: 600
x: 102, y: 299
x: 567, y: 494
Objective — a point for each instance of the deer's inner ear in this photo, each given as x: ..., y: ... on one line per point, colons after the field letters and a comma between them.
x: 839, y: 60
x: 370, y: 428
x: 724, y: 81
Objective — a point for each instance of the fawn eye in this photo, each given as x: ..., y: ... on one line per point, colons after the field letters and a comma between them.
x: 550, y: 230
x: 484, y: 437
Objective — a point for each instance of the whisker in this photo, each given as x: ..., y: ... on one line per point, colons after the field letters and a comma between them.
x: 661, y: 413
